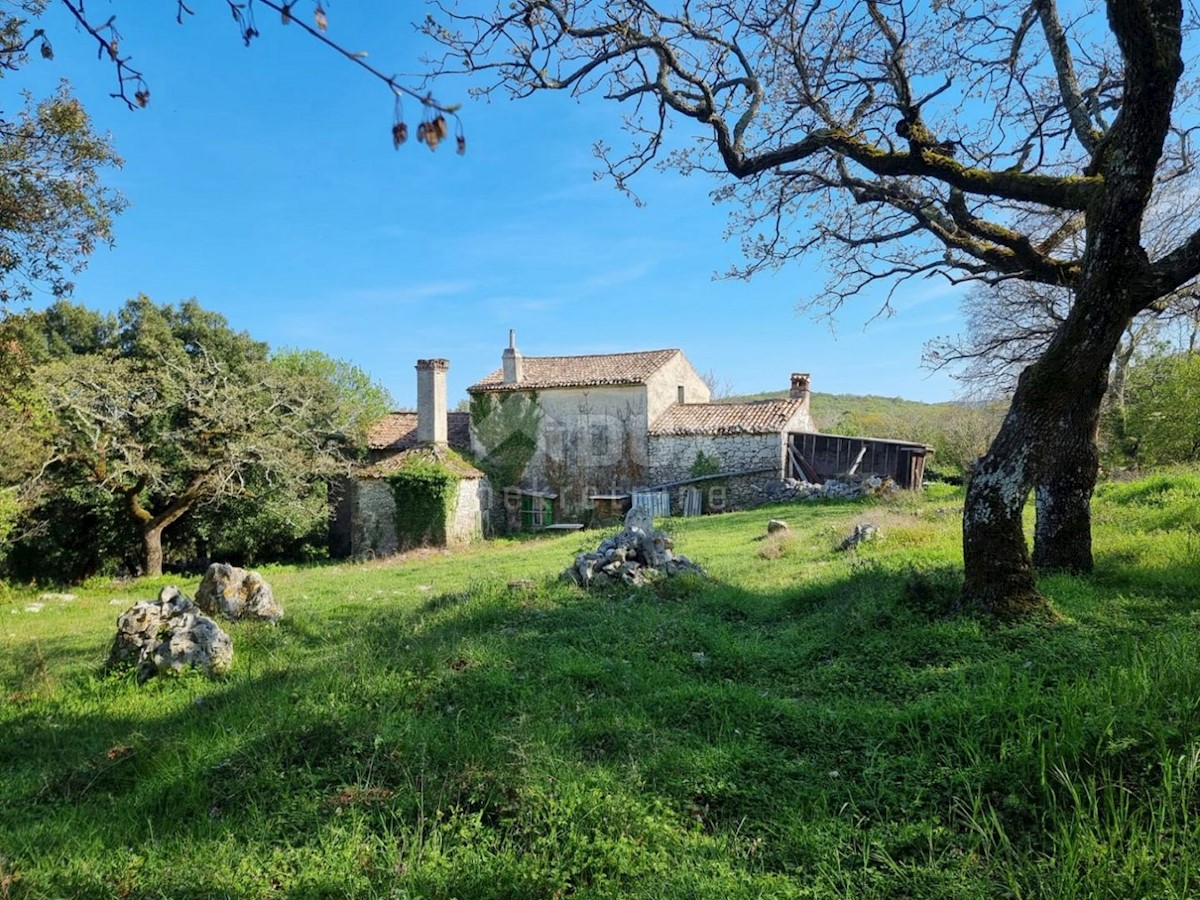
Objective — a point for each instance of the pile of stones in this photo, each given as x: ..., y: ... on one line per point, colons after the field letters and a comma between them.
x: 174, y: 633
x: 850, y: 489
x: 637, y: 555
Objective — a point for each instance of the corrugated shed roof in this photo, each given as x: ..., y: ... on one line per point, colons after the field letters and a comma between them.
x: 758, y: 417
x: 395, y: 462
x: 398, y: 431
x: 540, y: 372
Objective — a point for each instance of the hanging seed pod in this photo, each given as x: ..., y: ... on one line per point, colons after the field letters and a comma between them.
x: 285, y: 14
x: 399, y: 134
x: 422, y: 131
x: 439, y: 127
x: 47, y: 50
x: 319, y: 17
x: 142, y: 97
x: 462, y: 145
x: 113, y: 48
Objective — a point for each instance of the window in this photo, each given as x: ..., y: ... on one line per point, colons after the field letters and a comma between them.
x: 679, y: 393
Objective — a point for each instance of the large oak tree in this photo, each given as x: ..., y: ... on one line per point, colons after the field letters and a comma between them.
x: 167, y: 409
x: 972, y: 139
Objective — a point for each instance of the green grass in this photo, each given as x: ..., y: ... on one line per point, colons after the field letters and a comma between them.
x: 806, y: 723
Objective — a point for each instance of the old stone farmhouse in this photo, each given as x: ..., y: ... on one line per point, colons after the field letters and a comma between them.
x: 566, y: 440
x: 595, y: 428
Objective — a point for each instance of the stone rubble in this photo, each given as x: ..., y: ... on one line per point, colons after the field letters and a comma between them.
x: 775, y: 526
x: 168, y: 635
x: 860, y: 535
x: 637, y: 555
x: 237, y: 594
x: 792, y: 489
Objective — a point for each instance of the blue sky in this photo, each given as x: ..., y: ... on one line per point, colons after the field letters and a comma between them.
x: 263, y: 182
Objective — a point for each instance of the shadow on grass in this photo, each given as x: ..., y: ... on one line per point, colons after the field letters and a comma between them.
x: 738, y: 715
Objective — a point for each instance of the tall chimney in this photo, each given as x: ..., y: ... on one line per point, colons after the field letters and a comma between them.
x: 512, y: 359
x: 431, y: 401
x: 800, y: 382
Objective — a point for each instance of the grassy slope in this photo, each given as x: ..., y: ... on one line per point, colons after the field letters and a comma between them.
x: 807, y: 724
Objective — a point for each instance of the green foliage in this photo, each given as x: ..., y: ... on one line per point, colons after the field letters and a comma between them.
x: 68, y: 535
x: 55, y: 209
x: 425, y: 492
x: 1161, y: 422
x: 809, y: 726
x: 704, y: 465
x: 170, y: 411
x: 350, y: 398
x: 506, y: 425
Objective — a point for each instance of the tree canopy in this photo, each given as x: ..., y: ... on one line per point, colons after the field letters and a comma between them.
x: 167, y: 409
x: 54, y: 207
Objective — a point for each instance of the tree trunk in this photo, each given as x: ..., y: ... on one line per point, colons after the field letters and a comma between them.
x: 1047, y: 440
x: 1062, y: 539
x: 152, y: 553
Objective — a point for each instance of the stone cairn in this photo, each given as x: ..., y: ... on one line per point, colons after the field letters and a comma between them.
x: 637, y: 555
x: 237, y: 594
x: 168, y: 635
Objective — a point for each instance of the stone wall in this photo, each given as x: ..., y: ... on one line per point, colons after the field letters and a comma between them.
x: 672, y: 456
x: 591, y: 440
x: 373, y: 520
x: 471, y: 507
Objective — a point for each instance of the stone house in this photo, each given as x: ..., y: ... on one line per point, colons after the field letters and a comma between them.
x: 579, y: 431
x: 388, y: 505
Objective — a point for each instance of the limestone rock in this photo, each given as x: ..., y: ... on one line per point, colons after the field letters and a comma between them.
x: 861, y: 534
x: 775, y: 526
x: 168, y: 635
x: 237, y: 594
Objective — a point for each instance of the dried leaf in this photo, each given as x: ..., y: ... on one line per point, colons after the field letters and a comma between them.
x: 319, y: 17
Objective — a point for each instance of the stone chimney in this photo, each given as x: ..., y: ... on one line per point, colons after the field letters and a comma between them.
x: 431, y: 401
x: 512, y: 360
x: 800, y: 382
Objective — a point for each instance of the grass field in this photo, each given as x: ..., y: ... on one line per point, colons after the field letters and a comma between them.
x: 806, y: 723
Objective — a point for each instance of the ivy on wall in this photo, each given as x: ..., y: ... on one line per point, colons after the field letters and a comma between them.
x: 425, y: 492
x: 507, y: 426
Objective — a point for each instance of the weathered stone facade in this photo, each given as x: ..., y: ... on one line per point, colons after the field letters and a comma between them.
x: 673, y: 457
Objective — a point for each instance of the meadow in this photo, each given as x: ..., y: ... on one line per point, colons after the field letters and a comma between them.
x: 803, y: 723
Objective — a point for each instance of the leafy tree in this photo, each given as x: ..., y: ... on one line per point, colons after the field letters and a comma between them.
x: 178, y: 412
x: 967, y: 138
x: 1163, y: 413
x: 54, y: 210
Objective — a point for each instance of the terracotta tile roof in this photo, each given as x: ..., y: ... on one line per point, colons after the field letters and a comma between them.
x: 539, y: 372
x: 394, y: 462
x: 398, y: 431
x: 758, y: 417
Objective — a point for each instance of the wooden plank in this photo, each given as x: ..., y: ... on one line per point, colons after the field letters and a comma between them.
x: 862, y: 451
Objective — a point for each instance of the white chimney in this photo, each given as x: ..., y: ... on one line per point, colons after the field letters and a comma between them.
x: 512, y: 360
x: 800, y: 382
x: 431, y: 401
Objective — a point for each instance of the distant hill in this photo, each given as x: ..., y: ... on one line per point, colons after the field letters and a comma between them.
x: 959, y: 432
